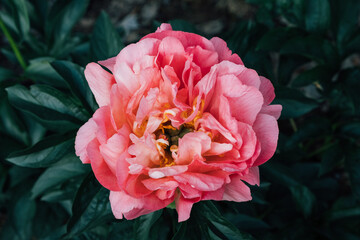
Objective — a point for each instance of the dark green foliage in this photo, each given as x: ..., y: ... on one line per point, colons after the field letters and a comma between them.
x: 310, y: 189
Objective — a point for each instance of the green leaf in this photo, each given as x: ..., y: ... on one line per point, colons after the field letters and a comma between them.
x: 246, y: 222
x: 180, y: 233
x: 211, y: 213
x: 294, y: 103
x: 44, y: 153
x: 74, y: 76
x: 21, y: 17
x: 350, y: 79
x: 49, y: 106
x: 317, y: 16
x: 66, y: 169
x: 144, y: 224
x: 313, y: 47
x: 351, y: 129
x: 345, y: 20
x: 330, y: 159
x: 344, y: 213
x: 352, y: 165
x: 345, y: 207
x: 20, y: 218
x: 10, y: 123
x: 275, y: 39
x: 62, y: 18
x: 105, y: 41
x: 6, y: 74
x: 91, y: 207
x: 316, y: 74
x: 40, y: 71
x: 302, y: 196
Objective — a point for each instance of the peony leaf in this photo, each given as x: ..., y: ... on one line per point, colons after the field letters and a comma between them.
x: 345, y: 207
x: 144, y: 224
x: 318, y: 73
x: 294, y: 103
x: 317, y: 15
x: 62, y: 18
x: 302, y: 195
x: 91, y: 207
x: 10, y: 122
x: 180, y: 233
x: 225, y: 227
x: 19, y: 219
x: 105, y: 41
x: 44, y: 153
x: 313, y: 47
x: 6, y: 74
x: 352, y: 165
x: 68, y: 168
x: 49, y: 106
x: 40, y: 71
x: 274, y: 39
x: 350, y: 79
x: 331, y: 158
x: 21, y: 16
x: 74, y: 76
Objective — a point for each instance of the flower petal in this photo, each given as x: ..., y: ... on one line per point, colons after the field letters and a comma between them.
x: 100, y: 82
x: 236, y: 190
x: 224, y: 52
x: 267, y: 132
x: 100, y: 168
x: 191, y: 145
x: 86, y: 134
x: 252, y: 177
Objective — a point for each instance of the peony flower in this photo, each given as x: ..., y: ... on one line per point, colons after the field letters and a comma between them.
x: 180, y: 119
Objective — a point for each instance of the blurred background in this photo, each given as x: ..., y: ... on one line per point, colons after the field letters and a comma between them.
x: 309, y: 49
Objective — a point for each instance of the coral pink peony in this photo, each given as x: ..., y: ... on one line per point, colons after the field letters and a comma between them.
x: 180, y: 119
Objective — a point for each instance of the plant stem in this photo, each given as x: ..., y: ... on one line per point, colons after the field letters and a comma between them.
x: 323, y: 148
x: 13, y: 45
x: 293, y: 124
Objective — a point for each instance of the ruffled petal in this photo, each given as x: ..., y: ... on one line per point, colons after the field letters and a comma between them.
x: 191, y: 145
x: 100, y: 82
x: 100, y: 168
x: 267, y: 132
x: 86, y: 134
x: 236, y: 190
x: 224, y: 52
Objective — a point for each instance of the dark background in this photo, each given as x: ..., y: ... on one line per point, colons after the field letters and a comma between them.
x: 309, y: 49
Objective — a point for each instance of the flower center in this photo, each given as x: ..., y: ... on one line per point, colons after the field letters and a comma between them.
x: 167, y: 140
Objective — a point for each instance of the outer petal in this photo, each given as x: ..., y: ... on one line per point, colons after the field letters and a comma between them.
x: 100, y: 168
x: 109, y: 63
x: 267, y: 90
x: 183, y: 207
x: 252, y: 177
x: 224, y: 52
x: 123, y: 204
x: 236, y: 190
x: 114, y: 147
x: 245, y: 101
x: 272, y: 110
x: 86, y: 134
x: 267, y: 132
x: 102, y: 118
x: 164, y: 27
x: 100, y: 82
